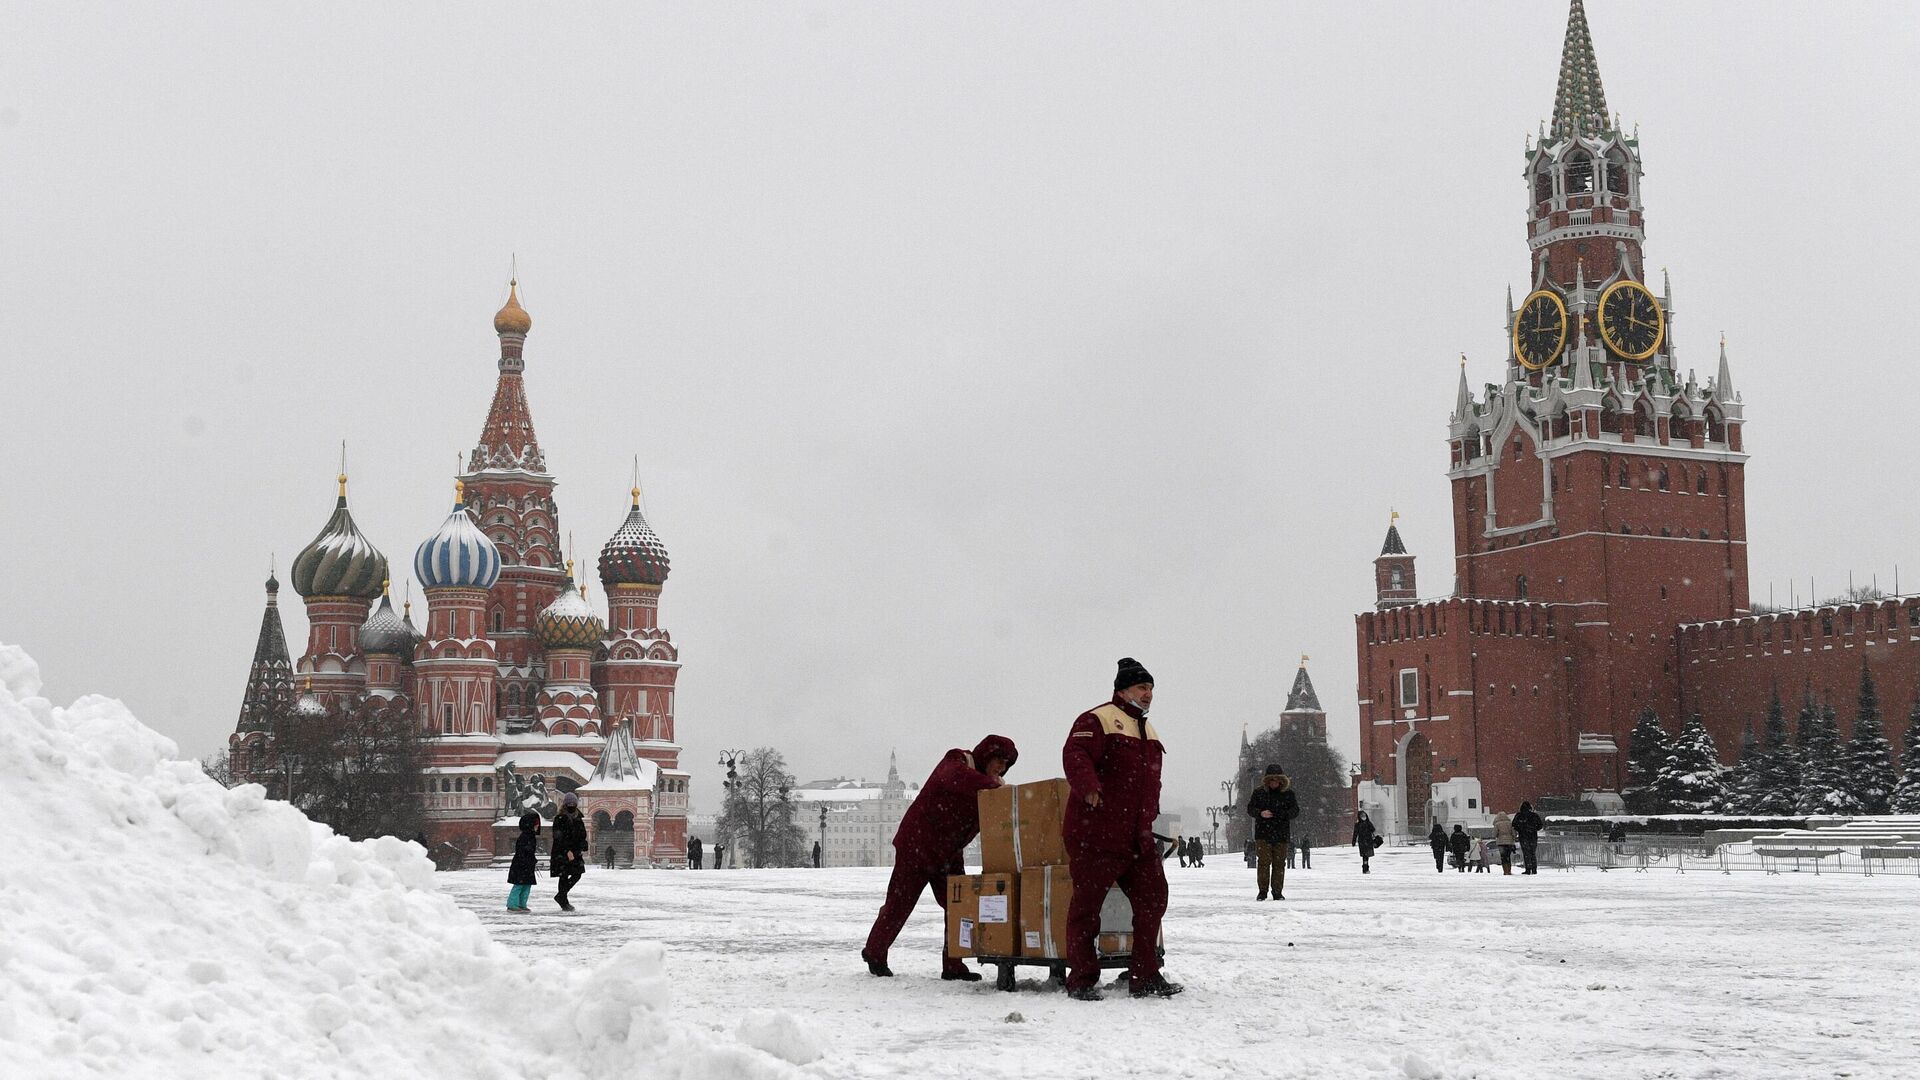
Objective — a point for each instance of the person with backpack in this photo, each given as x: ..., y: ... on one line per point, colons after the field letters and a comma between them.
x: 1365, y: 839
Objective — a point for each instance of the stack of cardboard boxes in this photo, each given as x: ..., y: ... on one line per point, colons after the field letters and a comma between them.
x: 1017, y: 906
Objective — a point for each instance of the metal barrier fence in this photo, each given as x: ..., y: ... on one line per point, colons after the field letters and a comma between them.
x: 1644, y: 854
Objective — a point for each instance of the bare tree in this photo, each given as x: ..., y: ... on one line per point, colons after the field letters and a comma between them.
x: 219, y: 767
x: 357, y: 768
x: 759, y: 811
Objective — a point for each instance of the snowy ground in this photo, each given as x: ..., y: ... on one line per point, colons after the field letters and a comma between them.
x: 1401, y: 973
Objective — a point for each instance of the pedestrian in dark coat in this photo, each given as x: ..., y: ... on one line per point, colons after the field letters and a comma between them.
x: 1365, y: 839
x: 1306, y: 851
x: 1460, y: 843
x: 1253, y: 859
x: 523, y: 873
x: 1437, y: 840
x: 1197, y: 852
x: 1181, y: 849
x: 1273, y: 808
x: 719, y: 856
x: 1527, y: 825
x: 568, y: 848
x: 943, y: 819
x: 694, y: 854
x: 1112, y: 759
x: 816, y: 854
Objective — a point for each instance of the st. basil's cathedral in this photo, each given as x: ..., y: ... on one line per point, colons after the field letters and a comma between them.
x: 523, y: 692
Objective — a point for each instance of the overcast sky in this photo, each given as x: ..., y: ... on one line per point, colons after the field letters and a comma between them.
x: 965, y: 348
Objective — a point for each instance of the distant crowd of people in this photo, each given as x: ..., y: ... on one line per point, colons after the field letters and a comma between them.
x: 1476, y: 853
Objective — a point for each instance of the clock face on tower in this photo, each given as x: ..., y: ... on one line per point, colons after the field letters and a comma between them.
x: 1539, y: 330
x: 1631, y: 322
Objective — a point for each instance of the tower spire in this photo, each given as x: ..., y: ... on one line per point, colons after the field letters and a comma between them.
x: 1579, y: 102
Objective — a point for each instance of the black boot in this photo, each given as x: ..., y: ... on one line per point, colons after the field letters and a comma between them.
x: 963, y: 975
x: 1157, y: 986
x: 878, y: 967
x: 1086, y: 993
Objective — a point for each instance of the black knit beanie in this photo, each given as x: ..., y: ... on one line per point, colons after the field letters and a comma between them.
x: 1130, y: 674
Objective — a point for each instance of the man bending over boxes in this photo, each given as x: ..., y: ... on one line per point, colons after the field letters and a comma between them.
x: 1112, y: 760
x: 936, y: 829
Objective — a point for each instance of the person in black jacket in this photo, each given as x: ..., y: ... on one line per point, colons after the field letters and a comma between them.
x: 694, y: 854
x: 1272, y: 808
x: 524, y: 871
x: 1196, y: 852
x: 1365, y: 839
x: 568, y: 848
x: 1306, y: 852
x: 1437, y: 840
x: 1460, y: 843
x: 1527, y: 825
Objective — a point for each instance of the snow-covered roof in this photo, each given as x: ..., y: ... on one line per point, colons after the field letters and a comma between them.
x: 620, y: 768
x: 546, y: 760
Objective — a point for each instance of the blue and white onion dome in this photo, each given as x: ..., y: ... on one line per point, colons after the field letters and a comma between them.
x: 340, y: 561
x: 459, y: 555
x: 385, y: 632
x: 569, y: 622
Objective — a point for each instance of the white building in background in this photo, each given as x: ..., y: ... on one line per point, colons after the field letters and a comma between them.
x: 861, y: 818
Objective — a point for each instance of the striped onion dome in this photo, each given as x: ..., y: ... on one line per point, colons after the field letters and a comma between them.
x: 385, y: 632
x: 458, y: 556
x: 635, y: 555
x: 340, y: 561
x: 569, y: 622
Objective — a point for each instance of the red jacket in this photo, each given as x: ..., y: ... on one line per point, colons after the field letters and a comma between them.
x: 1113, y: 750
x: 945, y: 816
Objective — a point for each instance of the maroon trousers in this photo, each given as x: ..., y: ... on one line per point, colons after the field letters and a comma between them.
x: 1144, y: 882
x: 903, y: 892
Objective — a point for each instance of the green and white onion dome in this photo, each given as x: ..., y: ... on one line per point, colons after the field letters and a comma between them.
x: 340, y: 561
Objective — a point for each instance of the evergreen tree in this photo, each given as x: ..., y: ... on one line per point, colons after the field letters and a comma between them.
x: 1776, y: 785
x: 1646, y: 757
x: 1823, y: 763
x: 1906, y: 794
x: 1690, y: 779
x: 1870, y: 775
x: 1743, y: 779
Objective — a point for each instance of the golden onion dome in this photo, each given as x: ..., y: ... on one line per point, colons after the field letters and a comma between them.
x: 512, y: 319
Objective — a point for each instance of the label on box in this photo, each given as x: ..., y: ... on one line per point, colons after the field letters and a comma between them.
x: 993, y: 909
x: 1033, y: 939
x: 966, y: 933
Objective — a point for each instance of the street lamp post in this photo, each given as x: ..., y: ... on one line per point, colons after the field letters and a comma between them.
x: 823, y: 836
x: 1213, y: 814
x: 731, y: 759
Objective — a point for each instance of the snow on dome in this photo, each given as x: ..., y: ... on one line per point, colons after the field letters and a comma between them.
x: 569, y: 622
x: 458, y: 556
x: 340, y: 561
x: 634, y: 555
x: 385, y: 632
x: 234, y: 937
x: 620, y: 768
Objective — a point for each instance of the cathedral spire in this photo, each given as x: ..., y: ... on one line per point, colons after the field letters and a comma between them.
x: 507, y: 441
x: 270, y: 681
x: 1579, y: 102
x: 1302, y: 697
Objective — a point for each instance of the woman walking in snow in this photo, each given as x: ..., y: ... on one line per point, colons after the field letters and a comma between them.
x: 1503, y: 838
x: 526, y: 854
x: 569, y: 848
x: 1365, y: 839
x: 1437, y: 840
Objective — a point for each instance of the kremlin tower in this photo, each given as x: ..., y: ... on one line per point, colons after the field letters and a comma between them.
x: 522, y: 691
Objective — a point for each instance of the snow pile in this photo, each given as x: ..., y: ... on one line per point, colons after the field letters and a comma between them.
x: 156, y: 924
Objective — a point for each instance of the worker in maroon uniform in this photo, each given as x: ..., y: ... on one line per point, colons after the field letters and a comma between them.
x: 943, y: 819
x: 1112, y: 760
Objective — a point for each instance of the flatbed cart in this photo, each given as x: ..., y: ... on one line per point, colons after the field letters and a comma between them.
x: 1056, y: 968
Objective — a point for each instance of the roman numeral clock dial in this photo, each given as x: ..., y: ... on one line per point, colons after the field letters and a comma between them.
x: 1631, y: 322
x: 1540, y: 330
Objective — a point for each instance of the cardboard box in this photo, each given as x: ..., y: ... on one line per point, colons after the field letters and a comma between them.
x: 1045, y: 892
x: 1020, y: 826
x: 983, y: 913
